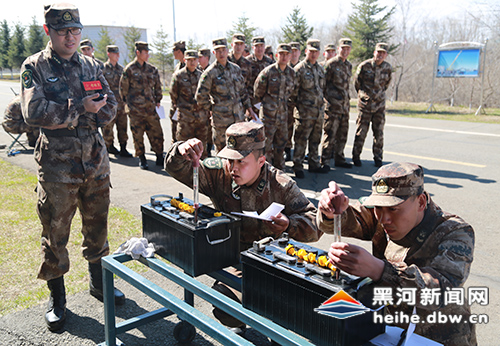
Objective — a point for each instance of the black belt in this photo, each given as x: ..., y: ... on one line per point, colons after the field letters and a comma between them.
x: 76, y: 132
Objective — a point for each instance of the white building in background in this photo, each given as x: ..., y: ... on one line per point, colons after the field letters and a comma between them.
x: 117, y: 34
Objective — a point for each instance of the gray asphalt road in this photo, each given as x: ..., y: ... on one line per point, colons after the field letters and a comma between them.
x: 461, y: 162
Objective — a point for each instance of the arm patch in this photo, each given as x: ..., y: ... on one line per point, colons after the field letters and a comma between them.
x: 212, y: 163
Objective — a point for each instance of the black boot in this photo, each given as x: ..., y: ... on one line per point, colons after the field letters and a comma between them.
x: 143, y: 162
x: 96, y: 286
x: 56, y: 308
x: 288, y: 154
x: 123, y: 151
x: 160, y: 159
x: 112, y: 150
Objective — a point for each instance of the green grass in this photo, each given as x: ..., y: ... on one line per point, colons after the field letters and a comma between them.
x: 20, y: 231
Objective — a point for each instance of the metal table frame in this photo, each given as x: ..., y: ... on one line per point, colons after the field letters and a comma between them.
x: 184, y: 309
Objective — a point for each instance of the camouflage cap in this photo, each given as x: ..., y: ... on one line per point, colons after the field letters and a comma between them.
x: 268, y: 50
x: 384, y: 47
x: 86, y: 43
x: 61, y: 16
x: 295, y: 45
x: 112, y: 49
x: 219, y: 43
x: 204, y: 52
x: 283, y: 47
x: 258, y: 40
x: 238, y: 38
x: 313, y: 44
x: 179, y: 45
x: 191, y: 54
x: 345, y: 42
x: 241, y: 139
x: 394, y: 183
x: 330, y: 46
x: 141, y: 45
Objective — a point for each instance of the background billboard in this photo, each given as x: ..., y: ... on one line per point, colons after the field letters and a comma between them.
x: 458, y: 63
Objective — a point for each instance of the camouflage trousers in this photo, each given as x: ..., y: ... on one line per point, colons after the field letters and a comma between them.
x: 307, y: 133
x: 335, y: 131
x: 190, y: 126
x: 57, y: 204
x: 149, y: 123
x: 290, y: 123
x: 276, y: 138
x: 121, y: 122
x: 220, y: 122
x: 362, y: 124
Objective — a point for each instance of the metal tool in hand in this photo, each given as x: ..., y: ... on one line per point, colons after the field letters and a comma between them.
x: 196, y: 165
x: 336, y: 237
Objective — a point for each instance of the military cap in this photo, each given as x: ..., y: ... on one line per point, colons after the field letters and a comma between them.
x: 313, y: 44
x: 61, y: 16
x: 141, y: 45
x: 112, y: 49
x: 394, y: 183
x: 384, y: 47
x: 247, y: 49
x: 268, y: 50
x: 283, y: 47
x: 330, y: 46
x: 179, y: 45
x: 241, y: 139
x: 86, y: 43
x: 238, y: 38
x: 295, y: 45
x: 258, y: 40
x: 345, y: 42
x: 191, y: 54
x: 204, y: 52
x: 219, y: 43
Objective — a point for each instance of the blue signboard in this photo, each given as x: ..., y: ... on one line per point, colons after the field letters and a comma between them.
x: 458, y: 63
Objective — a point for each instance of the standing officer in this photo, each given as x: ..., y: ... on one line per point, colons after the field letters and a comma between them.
x: 259, y: 61
x: 269, y: 53
x: 193, y: 121
x: 294, y: 60
x: 140, y: 89
x: 112, y: 71
x: 236, y: 56
x: 372, y: 79
x: 87, y: 49
x: 203, y: 58
x: 338, y: 71
x: 222, y: 91
x: 309, y: 111
x: 178, y: 50
x: 59, y: 93
x: 273, y: 88
x: 328, y: 53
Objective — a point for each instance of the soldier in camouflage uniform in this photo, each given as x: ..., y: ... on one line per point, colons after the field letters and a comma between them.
x: 243, y: 180
x: 13, y: 121
x: 338, y: 72
x: 416, y: 245
x: 268, y: 51
x: 309, y: 111
x: 140, y: 89
x: 113, y: 71
x: 193, y: 121
x: 203, y: 59
x: 87, y: 49
x: 328, y: 53
x: 259, y: 61
x: 222, y: 91
x: 73, y: 165
x: 273, y: 88
x: 178, y: 50
x: 236, y: 56
x: 294, y: 60
x: 371, y: 81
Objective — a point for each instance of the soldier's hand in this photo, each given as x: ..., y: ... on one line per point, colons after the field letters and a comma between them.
x: 355, y: 260
x: 278, y: 223
x: 92, y: 106
x: 192, y: 149
x: 332, y: 201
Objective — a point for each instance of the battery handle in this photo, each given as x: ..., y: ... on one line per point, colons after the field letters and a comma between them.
x: 218, y: 241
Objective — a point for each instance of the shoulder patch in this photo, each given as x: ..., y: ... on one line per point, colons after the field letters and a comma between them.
x: 27, y: 78
x: 212, y: 163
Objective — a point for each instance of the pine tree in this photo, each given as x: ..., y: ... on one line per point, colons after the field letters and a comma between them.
x: 100, y: 47
x: 297, y: 29
x: 36, y: 38
x: 368, y: 26
x: 242, y: 26
x: 16, y: 53
x: 4, y: 46
x: 162, y: 57
x: 132, y: 35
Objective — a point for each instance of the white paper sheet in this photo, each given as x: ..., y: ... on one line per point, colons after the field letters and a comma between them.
x: 161, y: 112
x: 273, y: 210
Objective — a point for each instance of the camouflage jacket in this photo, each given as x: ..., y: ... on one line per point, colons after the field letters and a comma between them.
x: 371, y: 82
x: 13, y: 121
x: 271, y: 186
x: 337, y: 77
x: 52, y: 98
x: 113, y: 75
x: 140, y: 87
x: 222, y: 90
x: 246, y: 70
x: 183, y: 89
x: 310, y: 85
x: 273, y: 88
x: 437, y: 254
x: 257, y: 66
